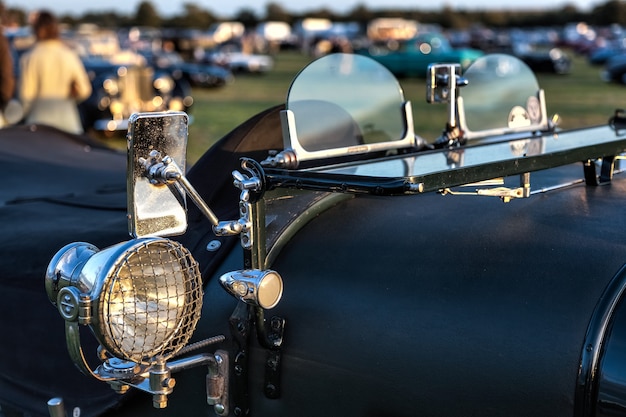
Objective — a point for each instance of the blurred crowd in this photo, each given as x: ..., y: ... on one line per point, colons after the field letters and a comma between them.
x: 83, y: 78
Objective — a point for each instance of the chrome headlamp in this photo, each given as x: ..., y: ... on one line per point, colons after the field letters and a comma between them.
x: 142, y: 298
x: 164, y: 84
x: 111, y: 86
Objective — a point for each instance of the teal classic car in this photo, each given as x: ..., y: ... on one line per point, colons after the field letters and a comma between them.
x: 411, y: 58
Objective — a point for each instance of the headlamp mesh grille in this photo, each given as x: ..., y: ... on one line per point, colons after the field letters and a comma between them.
x: 153, y: 301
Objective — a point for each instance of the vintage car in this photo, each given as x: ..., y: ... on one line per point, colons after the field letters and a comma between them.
x: 161, y: 51
x: 411, y: 58
x: 543, y: 58
x: 121, y: 89
x: 122, y: 81
x: 233, y: 57
x: 322, y: 258
x: 600, y: 55
x: 197, y: 74
x: 614, y: 70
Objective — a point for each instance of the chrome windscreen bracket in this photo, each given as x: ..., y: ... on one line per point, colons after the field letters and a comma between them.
x: 248, y: 184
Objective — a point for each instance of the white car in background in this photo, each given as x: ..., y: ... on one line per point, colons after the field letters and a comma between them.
x: 233, y: 57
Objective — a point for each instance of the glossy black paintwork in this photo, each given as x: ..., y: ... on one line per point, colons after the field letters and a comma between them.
x: 480, y: 308
x: 607, y: 392
x: 420, y: 304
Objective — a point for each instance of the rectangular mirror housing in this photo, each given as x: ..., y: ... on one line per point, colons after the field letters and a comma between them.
x: 441, y: 84
x: 156, y: 209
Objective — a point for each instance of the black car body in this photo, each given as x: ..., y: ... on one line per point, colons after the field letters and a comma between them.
x: 481, y: 274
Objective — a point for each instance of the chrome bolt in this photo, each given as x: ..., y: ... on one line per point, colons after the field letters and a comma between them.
x: 169, y: 383
x: 159, y: 401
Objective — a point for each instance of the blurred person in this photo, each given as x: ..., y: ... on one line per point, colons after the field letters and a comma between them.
x: 7, y: 77
x: 53, y: 79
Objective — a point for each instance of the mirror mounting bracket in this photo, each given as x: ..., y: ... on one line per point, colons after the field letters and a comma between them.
x: 164, y: 171
x: 251, y: 184
x: 156, y: 378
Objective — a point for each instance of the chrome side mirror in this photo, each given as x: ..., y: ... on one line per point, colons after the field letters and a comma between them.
x: 442, y: 86
x: 442, y: 83
x: 156, y: 208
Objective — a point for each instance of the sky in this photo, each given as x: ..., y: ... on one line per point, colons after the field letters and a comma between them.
x: 231, y: 7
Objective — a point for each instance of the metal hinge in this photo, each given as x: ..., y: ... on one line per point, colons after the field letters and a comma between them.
x: 506, y: 194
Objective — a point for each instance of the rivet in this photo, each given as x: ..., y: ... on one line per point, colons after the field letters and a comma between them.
x: 270, y: 390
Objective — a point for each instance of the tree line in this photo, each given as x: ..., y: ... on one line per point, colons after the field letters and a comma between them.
x: 194, y: 16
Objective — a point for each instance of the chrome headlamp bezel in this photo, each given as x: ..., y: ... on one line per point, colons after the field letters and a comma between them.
x: 142, y: 298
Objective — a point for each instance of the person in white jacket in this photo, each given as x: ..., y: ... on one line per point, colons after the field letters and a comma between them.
x: 52, y: 78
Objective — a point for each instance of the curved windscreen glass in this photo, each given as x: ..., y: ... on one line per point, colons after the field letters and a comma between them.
x: 502, y: 92
x: 345, y: 100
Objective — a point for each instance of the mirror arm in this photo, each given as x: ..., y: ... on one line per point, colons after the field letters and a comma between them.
x: 198, y: 201
x: 167, y: 172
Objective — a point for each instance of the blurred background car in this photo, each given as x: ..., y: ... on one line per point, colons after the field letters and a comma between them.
x: 412, y: 57
x: 543, y: 58
x: 121, y: 90
x: 197, y: 74
x: 233, y: 57
x: 615, y: 69
x: 600, y: 55
x: 123, y: 82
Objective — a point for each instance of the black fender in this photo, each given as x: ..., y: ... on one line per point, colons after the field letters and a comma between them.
x: 57, y: 188
x: 444, y: 305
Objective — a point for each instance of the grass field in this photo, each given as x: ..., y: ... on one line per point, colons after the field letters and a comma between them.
x: 580, y: 99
